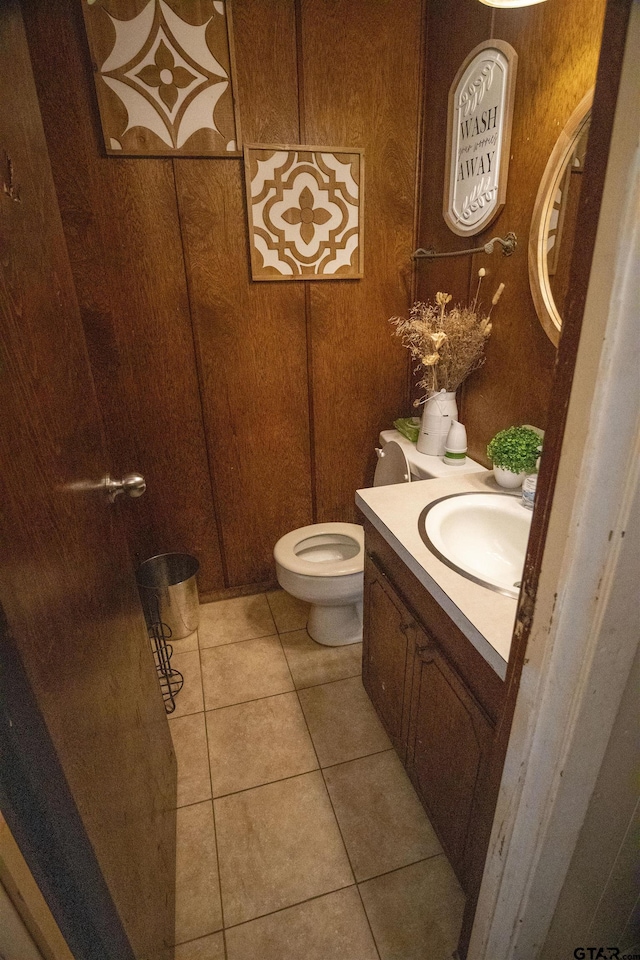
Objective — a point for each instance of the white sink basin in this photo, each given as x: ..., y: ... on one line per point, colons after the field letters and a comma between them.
x: 481, y: 535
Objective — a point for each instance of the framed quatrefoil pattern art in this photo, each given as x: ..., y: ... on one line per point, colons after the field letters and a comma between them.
x: 305, y: 212
x: 164, y: 76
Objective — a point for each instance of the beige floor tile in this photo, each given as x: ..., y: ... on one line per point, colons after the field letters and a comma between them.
x: 415, y: 912
x: 189, y: 699
x: 342, y: 721
x: 288, y: 612
x: 237, y: 672
x: 242, y: 618
x: 333, y: 927
x: 258, y: 742
x: 206, y: 948
x: 186, y: 644
x: 312, y: 663
x: 382, y: 821
x: 190, y: 744
x: 198, y: 911
x: 279, y: 844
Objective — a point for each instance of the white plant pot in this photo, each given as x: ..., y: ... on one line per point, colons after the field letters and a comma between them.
x: 508, y: 479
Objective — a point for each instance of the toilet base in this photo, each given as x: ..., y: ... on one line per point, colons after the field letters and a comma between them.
x: 335, y: 626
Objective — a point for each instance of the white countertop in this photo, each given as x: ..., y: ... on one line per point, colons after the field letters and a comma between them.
x: 485, y: 617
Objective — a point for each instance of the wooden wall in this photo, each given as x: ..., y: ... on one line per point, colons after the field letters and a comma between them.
x: 558, y: 45
x: 251, y: 408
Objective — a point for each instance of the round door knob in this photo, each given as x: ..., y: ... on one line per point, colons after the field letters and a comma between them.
x: 133, y: 484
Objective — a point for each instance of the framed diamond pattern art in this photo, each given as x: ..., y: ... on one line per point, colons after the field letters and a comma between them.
x: 305, y: 212
x: 164, y: 76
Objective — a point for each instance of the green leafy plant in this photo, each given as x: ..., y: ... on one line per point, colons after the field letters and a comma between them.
x: 515, y: 449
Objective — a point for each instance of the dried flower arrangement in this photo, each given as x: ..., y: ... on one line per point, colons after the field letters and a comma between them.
x: 448, y: 344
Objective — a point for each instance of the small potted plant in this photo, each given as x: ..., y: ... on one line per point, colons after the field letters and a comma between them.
x: 514, y: 452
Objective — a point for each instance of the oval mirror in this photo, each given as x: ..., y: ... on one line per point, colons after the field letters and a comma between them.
x: 554, y: 220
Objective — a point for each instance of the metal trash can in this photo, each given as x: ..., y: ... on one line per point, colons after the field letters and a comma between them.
x: 169, y: 593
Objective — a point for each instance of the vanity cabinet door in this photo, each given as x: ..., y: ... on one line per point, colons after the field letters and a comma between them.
x: 449, y: 742
x: 387, y: 654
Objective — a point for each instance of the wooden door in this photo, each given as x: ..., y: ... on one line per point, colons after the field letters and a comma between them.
x: 86, y: 767
x: 449, y: 743
x: 388, y: 655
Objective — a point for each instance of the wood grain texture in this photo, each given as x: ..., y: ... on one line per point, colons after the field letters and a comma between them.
x: 313, y: 375
x: 449, y: 746
x: 387, y: 655
x: 368, y: 98
x: 67, y: 587
x: 440, y: 731
x: 251, y: 337
x: 451, y: 35
x: 122, y: 231
x: 483, y: 682
x: 267, y: 68
x: 558, y: 46
x: 251, y: 340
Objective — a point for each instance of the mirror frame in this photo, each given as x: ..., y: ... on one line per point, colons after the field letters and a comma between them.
x: 543, y: 208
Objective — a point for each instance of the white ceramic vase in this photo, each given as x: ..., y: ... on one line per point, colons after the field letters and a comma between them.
x: 508, y: 479
x: 438, y: 413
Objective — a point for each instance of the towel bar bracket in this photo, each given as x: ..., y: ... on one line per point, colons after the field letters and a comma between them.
x: 508, y: 244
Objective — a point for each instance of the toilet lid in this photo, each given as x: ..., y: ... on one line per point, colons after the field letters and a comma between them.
x: 392, y: 467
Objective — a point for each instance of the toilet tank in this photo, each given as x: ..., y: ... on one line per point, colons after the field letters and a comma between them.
x: 424, y: 467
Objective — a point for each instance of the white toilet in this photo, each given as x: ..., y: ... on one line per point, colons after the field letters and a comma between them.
x: 323, y: 563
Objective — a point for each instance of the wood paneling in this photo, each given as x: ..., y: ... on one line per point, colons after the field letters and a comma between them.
x: 122, y: 231
x: 271, y: 421
x: 368, y: 97
x: 291, y: 387
x: 387, y: 663
x: 251, y: 340
x: 452, y: 34
x: 251, y: 337
x: 449, y: 745
x: 440, y: 731
x: 267, y: 70
x: 558, y: 46
x: 483, y: 682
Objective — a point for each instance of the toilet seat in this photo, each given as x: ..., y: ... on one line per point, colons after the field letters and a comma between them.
x: 285, y: 550
x: 322, y: 564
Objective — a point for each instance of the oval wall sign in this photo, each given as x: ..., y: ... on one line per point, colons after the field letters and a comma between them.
x: 478, y: 137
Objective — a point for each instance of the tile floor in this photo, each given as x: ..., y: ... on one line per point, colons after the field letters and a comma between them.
x: 299, y: 834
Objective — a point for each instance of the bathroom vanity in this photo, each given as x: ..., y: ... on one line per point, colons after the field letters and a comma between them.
x: 434, y: 661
